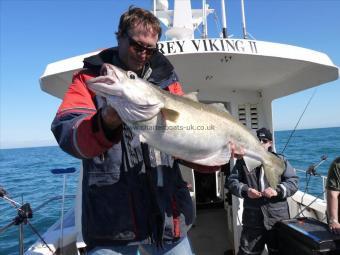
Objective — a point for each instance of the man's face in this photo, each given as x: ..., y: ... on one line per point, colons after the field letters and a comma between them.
x: 266, y: 143
x: 136, y: 47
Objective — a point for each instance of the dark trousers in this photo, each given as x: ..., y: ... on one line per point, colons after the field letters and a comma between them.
x: 253, y: 240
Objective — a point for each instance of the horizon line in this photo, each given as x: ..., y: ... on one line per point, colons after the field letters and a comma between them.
x: 53, y: 143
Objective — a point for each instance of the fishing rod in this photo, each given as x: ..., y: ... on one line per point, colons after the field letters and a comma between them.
x: 292, y: 133
x: 311, y: 171
x: 308, y: 206
x: 312, y: 168
x: 24, y: 214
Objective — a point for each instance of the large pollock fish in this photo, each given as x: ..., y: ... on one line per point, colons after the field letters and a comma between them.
x: 179, y: 125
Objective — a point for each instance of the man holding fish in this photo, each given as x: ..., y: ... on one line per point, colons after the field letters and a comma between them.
x: 118, y: 116
x: 134, y: 200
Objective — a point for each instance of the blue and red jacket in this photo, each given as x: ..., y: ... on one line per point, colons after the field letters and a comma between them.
x: 116, y: 205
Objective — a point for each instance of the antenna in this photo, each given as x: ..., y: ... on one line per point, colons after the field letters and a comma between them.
x: 154, y: 7
x: 224, y: 20
x: 204, y: 19
x: 245, y: 35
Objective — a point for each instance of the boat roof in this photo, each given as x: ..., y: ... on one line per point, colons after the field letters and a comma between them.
x: 222, y: 64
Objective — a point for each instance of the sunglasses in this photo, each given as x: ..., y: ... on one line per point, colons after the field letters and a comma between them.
x: 264, y: 140
x: 140, y: 48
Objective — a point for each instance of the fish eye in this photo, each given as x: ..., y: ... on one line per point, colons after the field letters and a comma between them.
x: 131, y: 75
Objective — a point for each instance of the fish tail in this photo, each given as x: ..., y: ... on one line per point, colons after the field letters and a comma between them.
x: 273, y: 169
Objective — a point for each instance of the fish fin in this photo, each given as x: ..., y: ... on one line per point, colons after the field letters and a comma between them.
x: 192, y: 96
x: 142, y: 139
x: 273, y: 169
x: 130, y: 112
x: 251, y: 163
x: 170, y: 114
x: 217, y: 159
x: 219, y: 106
x: 273, y: 166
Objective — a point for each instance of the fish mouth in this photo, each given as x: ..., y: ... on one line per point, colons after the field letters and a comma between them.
x: 110, y: 70
x: 108, y: 83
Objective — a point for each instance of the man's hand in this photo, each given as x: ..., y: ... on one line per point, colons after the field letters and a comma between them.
x: 269, y: 192
x: 236, y: 152
x: 110, y: 117
x: 332, y: 210
x: 334, y: 226
x: 253, y: 193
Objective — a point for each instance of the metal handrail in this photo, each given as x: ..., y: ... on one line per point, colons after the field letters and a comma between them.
x: 324, y: 179
x: 53, y: 199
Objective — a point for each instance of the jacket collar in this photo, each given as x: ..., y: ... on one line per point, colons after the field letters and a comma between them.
x: 159, y: 64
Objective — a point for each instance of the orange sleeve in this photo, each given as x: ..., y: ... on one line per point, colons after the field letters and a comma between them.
x: 77, y: 97
x: 77, y: 126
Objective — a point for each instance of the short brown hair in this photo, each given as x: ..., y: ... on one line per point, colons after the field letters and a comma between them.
x: 135, y: 16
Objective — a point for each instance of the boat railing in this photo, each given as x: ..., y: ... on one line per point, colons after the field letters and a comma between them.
x: 323, y: 179
x: 55, y: 198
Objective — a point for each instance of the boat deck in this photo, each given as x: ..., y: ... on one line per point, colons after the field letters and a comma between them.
x: 209, y: 234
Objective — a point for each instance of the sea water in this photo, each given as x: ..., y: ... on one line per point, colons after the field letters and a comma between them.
x: 26, y: 176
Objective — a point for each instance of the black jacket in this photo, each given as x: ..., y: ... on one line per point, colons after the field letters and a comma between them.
x: 262, y: 212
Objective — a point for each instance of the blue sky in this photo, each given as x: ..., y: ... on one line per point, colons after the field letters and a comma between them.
x: 37, y: 32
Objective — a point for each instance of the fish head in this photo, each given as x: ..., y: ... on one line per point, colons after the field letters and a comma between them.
x: 132, y: 97
x: 114, y: 81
